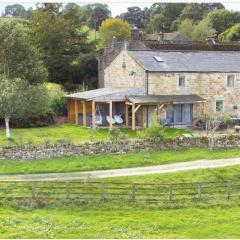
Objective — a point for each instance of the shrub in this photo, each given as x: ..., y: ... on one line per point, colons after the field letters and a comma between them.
x: 116, y: 135
x: 58, y: 102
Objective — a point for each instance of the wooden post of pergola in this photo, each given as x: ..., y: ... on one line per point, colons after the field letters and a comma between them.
x: 126, y: 115
x: 84, y: 113
x: 143, y: 115
x: 110, y: 114
x: 133, y: 117
x: 93, y: 116
x: 76, y: 111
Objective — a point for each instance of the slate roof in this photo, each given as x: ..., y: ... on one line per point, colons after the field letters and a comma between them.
x: 189, y: 61
x: 106, y: 94
x: 175, y: 99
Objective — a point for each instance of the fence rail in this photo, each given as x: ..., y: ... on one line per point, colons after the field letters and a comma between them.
x: 113, y: 191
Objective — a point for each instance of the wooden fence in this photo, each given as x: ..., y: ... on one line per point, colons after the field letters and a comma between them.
x: 113, y: 191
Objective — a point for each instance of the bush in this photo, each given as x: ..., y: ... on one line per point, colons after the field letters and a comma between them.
x: 58, y: 102
x: 155, y: 131
x: 116, y: 135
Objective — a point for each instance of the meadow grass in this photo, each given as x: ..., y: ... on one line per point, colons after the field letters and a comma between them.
x: 120, y: 221
x: 70, y: 133
x: 112, y: 161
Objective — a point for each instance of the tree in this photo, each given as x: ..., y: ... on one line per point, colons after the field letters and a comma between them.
x: 194, y: 11
x: 18, y: 99
x: 94, y: 14
x: 117, y: 28
x: 231, y: 34
x: 135, y: 16
x: 186, y: 27
x: 221, y: 19
x: 15, y: 10
x: 19, y: 57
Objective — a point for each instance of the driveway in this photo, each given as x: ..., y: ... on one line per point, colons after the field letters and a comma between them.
x: 166, y: 168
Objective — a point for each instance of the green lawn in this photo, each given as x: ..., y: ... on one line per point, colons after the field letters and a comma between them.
x: 100, y: 162
x: 116, y: 221
x: 69, y: 133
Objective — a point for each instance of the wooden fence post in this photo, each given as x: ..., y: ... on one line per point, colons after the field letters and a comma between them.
x: 102, y: 191
x: 33, y: 191
x: 199, y: 189
x: 133, y: 192
x: 170, y: 193
x: 229, y: 190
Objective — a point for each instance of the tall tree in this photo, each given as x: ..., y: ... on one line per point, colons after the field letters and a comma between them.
x: 94, y: 14
x: 221, y: 19
x: 19, y: 56
x: 117, y: 28
x: 135, y: 16
x: 15, y: 10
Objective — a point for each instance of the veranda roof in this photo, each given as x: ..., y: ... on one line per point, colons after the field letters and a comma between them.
x: 174, y: 99
x: 102, y: 94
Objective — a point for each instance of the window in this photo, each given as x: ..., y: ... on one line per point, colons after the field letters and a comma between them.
x: 181, y: 81
x: 158, y: 59
x: 230, y: 80
x: 219, y: 105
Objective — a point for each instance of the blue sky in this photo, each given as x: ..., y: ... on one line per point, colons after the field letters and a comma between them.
x: 116, y: 6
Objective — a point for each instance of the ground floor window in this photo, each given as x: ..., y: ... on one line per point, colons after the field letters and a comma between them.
x: 219, y: 105
x: 180, y: 114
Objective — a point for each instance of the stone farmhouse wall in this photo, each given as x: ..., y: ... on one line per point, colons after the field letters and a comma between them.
x: 210, y: 86
x: 29, y: 152
x: 118, y: 73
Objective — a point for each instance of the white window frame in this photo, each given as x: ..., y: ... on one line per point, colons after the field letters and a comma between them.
x: 185, y: 81
x: 234, y: 80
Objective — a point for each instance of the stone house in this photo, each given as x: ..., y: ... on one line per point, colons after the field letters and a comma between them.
x: 180, y: 86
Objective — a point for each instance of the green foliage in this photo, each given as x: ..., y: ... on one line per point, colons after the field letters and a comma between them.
x: 155, y: 131
x: 222, y: 19
x: 229, y: 122
x: 134, y: 15
x: 116, y: 135
x: 58, y: 102
x: 19, y: 57
x: 18, y: 99
x: 198, y: 32
x: 114, y: 28
x: 232, y: 34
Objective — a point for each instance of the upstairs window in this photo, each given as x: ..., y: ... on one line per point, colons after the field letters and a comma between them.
x: 230, y: 80
x: 219, y: 105
x: 181, y: 81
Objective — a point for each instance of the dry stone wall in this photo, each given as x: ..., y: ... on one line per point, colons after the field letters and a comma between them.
x: 29, y: 152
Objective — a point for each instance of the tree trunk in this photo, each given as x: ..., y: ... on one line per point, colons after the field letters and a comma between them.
x: 8, y: 135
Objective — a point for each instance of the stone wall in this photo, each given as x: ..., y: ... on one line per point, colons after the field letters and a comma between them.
x: 29, y: 152
x: 124, y: 72
x: 210, y: 86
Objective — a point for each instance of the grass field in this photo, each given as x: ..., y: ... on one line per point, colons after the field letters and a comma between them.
x: 69, y: 133
x: 100, y: 162
x: 116, y: 221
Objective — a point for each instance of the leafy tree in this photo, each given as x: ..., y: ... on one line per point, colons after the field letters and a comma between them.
x: 114, y: 28
x: 221, y: 19
x: 15, y: 10
x: 186, y: 27
x: 94, y: 14
x: 19, y: 56
x: 18, y: 99
x: 197, y: 32
x: 231, y: 34
x: 194, y: 11
x: 134, y: 15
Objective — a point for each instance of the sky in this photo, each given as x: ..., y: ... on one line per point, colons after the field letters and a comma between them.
x: 116, y: 6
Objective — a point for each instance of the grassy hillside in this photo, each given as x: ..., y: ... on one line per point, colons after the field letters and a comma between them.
x: 100, y: 162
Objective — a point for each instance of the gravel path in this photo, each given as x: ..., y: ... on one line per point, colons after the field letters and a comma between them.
x: 166, y: 168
